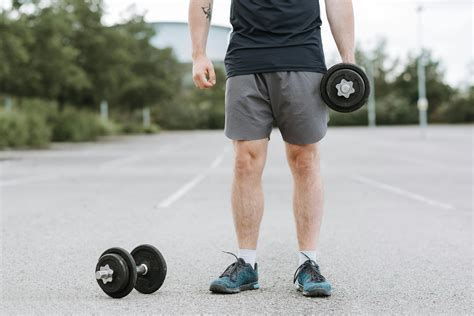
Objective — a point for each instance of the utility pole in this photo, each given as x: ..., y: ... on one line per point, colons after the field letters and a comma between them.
x: 371, y: 104
x: 146, y: 117
x: 8, y: 104
x: 104, y: 110
x: 422, y: 100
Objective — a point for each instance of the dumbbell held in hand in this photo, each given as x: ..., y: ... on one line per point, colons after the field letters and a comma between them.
x: 345, y: 87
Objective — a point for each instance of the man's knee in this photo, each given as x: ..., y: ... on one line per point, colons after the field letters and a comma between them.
x: 303, y: 159
x: 249, y: 158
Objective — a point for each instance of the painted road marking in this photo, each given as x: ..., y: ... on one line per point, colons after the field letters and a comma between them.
x: 402, y: 192
x: 188, y: 186
x: 28, y: 180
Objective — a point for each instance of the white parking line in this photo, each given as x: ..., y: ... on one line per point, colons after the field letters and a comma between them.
x: 217, y: 161
x: 400, y: 191
x: 191, y: 183
x: 28, y: 180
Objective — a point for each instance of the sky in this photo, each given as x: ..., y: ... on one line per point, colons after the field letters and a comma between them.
x: 447, y: 27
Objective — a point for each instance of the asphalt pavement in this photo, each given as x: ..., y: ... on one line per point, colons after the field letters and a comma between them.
x: 396, y: 236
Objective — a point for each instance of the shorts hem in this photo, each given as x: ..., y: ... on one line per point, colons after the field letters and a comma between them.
x: 310, y: 142
x: 247, y: 138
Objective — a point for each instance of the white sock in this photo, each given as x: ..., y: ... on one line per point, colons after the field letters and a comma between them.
x: 249, y: 255
x: 311, y: 254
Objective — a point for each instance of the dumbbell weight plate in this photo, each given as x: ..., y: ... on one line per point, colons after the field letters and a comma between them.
x: 120, y: 273
x: 156, y: 264
x: 349, y: 72
x: 125, y: 273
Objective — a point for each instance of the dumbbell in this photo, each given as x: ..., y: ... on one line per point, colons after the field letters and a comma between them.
x: 345, y: 87
x: 117, y: 272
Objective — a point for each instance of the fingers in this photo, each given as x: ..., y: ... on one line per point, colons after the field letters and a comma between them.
x: 204, y: 83
x: 212, y: 75
x: 201, y: 76
x: 200, y: 81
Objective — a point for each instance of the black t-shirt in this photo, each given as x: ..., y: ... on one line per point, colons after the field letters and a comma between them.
x: 274, y: 35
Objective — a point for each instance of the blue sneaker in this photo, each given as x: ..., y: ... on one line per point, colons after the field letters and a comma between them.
x: 239, y: 276
x: 309, y: 280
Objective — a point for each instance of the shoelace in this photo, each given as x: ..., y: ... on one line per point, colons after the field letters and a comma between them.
x: 233, y: 269
x: 312, y: 268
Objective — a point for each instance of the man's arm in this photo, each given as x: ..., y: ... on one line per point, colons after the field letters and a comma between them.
x: 341, y: 20
x: 200, y: 14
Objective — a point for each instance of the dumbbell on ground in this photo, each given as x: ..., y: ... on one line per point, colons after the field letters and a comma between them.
x: 117, y: 272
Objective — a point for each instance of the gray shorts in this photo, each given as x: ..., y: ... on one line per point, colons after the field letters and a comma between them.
x: 290, y: 98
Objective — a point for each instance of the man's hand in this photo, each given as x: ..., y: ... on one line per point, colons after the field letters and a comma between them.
x: 200, y: 14
x: 349, y: 59
x: 204, y: 76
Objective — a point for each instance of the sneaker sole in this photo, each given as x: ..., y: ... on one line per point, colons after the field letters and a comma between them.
x: 313, y: 293
x: 225, y: 290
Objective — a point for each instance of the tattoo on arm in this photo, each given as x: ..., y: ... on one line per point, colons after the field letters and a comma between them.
x: 207, y: 11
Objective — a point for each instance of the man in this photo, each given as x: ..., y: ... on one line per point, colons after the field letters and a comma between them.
x: 274, y: 65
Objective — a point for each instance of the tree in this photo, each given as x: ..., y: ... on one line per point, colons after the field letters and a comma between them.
x: 155, y: 73
x: 53, y: 56
x: 438, y: 92
x: 383, y: 66
x: 460, y: 109
x: 60, y: 50
x: 15, y: 71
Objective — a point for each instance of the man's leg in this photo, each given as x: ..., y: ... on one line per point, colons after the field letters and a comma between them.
x: 247, y: 210
x: 247, y: 192
x: 307, y: 193
x: 302, y: 118
x: 248, y: 121
x: 308, y: 211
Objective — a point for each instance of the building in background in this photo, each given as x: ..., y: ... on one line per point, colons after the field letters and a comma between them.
x: 176, y: 35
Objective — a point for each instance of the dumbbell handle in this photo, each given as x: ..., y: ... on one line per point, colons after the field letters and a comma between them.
x: 142, y: 269
x: 102, y: 274
x: 107, y: 273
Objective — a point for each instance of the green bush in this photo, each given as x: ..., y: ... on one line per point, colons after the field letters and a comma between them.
x: 178, y: 114
x: 132, y: 122
x: 459, y: 110
x: 13, y: 130
x: 456, y: 112
x: 39, y: 107
x: 39, y: 133
x: 72, y: 125
x: 139, y: 129
x: 26, y: 125
x: 392, y: 109
x: 39, y: 115
x: 34, y: 123
x: 109, y: 127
